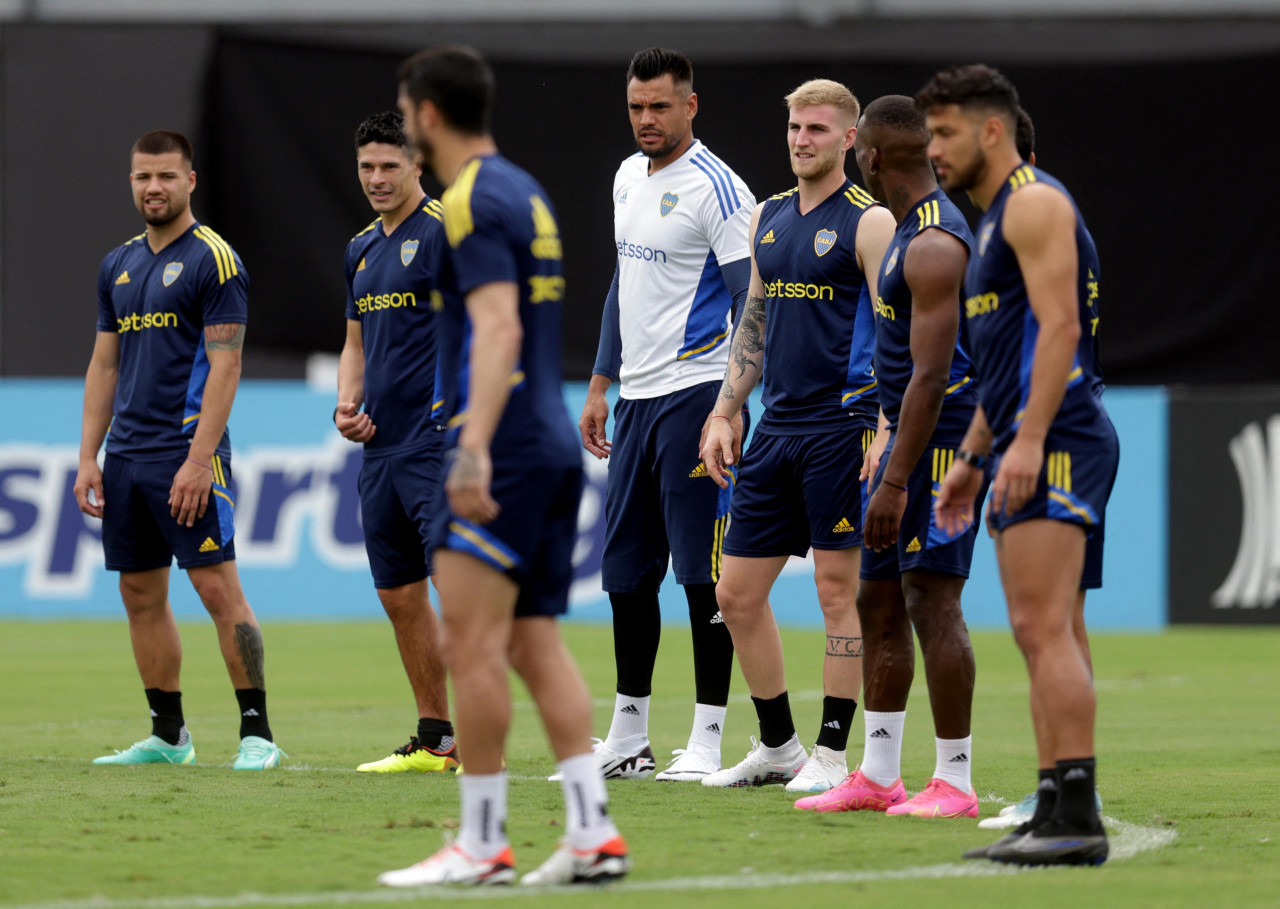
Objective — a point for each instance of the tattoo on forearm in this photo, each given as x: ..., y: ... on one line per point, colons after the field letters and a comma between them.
x: 249, y: 643
x: 748, y: 341
x: 838, y: 646
x: 227, y: 336
x: 465, y: 468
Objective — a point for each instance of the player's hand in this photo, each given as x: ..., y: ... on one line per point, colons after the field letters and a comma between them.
x: 467, y: 485
x: 717, y: 449
x: 954, y: 506
x: 356, y: 427
x: 735, y: 424
x: 871, y: 460
x: 591, y: 426
x: 89, y: 480
x: 189, y: 494
x: 1017, y: 476
x: 883, y: 521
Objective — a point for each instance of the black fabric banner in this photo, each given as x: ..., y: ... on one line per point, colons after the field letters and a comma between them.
x: 1158, y: 156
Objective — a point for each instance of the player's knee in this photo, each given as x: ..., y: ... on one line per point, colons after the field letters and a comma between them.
x: 838, y: 599
x: 140, y: 598
x: 402, y: 604
x: 737, y: 605
x: 219, y: 593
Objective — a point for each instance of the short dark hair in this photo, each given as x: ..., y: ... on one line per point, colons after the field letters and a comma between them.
x: 164, y: 142
x: 457, y: 80
x: 656, y: 62
x: 1025, y: 135
x: 896, y: 112
x: 384, y: 128
x: 973, y: 86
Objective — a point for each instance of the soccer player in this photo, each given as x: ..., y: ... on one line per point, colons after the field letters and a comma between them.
x: 394, y: 275
x: 505, y: 542
x: 816, y: 249
x: 912, y: 573
x: 680, y: 223
x: 172, y: 306
x: 1054, y: 449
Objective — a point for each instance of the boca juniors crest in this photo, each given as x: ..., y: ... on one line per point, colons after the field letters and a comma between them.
x: 823, y: 240
x: 983, y: 240
x: 668, y: 204
x: 408, y: 249
x: 893, y: 260
x: 171, y: 272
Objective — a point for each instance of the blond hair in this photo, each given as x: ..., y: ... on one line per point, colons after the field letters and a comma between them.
x: 825, y: 92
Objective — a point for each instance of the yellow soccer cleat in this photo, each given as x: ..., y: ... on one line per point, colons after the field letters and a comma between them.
x: 416, y: 757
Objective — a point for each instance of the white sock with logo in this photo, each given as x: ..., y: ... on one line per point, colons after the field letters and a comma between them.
x: 955, y: 756
x: 629, y: 730
x: 708, y: 728
x: 882, y: 748
x: 586, y: 803
x: 483, y: 831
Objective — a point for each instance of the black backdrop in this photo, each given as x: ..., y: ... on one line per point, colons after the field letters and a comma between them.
x: 1167, y: 161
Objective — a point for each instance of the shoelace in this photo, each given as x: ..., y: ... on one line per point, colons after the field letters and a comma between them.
x: 413, y: 746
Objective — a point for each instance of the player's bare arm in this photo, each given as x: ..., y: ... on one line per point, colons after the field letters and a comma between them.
x: 189, y: 494
x: 99, y: 392
x: 934, y: 270
x: 876, y: 228
x: 354, y: 426
x: 959, y: 491
x: 496, y: 333
x: 871, y: 460
x: 1039, y: 225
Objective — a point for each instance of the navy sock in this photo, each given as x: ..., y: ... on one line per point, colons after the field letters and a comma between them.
x: 435, y: 735
x: 166, y: 714
x: 253, y: 713
x: 837, y: 717
x: 776, y: 725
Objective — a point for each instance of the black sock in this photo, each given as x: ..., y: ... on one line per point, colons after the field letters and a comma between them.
x: 712, y: 646
x: 166, y: 714
x: 837, y: 717
x: 637, y: 628
x: 253, y: 713
x: 1077, y: 808
x: 435, y: 735
x: 776, y: 726
x: 1046, y: 799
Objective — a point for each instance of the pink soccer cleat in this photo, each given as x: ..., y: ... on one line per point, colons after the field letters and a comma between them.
x: 856, y: 793
x: 939, y: 799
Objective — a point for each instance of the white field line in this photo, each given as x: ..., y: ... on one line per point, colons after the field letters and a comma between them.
x: 1127, y: 840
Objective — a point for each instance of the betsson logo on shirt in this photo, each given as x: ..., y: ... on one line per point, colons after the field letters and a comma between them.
x: 645, y: 253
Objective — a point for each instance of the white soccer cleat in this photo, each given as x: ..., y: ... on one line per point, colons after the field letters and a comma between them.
x: 823, y: 770
x: 756, y: 769
x: 591, y: 866
x: 690, y: 765
x: 616, y: 766
x: 453, y: 866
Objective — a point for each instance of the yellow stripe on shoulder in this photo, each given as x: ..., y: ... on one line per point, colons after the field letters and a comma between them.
x: 435, y: 209
x: 132, y: 240
x: 458, y: 223
x: 790, y: 192
x: 859, y: 196
x: 372, y: 224
x: 222, y: 254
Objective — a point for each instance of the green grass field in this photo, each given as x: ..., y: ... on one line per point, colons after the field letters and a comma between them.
x: 1188, y: 738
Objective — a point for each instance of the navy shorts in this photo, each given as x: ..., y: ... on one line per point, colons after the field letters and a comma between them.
x: 798, y: 491
x: 922, y: 544
x: 139, y: 534
x: 398, y: 499
x: 531, y: 540
x: 1075, y: 483
x: 659, y: 502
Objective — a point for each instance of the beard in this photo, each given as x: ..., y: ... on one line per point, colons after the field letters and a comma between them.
x: 667, y: 147
x: 958, y: 180
x: 160, y: 218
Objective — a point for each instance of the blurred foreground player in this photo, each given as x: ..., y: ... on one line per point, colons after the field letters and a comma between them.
x: 394, y: 273
x: 172, y: 306
x: 1054, y: 449
x: 912, y: 572
x: 504, y: 544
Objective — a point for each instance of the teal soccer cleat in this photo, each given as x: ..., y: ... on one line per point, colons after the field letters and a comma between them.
x: 257, y: 753
x: 152, y: 750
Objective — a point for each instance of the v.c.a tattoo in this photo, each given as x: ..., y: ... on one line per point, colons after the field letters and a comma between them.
x: 838, y: 646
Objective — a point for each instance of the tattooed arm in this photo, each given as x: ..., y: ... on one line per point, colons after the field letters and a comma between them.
x: 189, y: 494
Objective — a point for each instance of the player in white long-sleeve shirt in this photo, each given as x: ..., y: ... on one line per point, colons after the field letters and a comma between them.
x: 683, y: 261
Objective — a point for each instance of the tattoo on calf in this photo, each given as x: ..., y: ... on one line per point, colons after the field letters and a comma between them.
x: 838, y: 646
x: 249, y: 643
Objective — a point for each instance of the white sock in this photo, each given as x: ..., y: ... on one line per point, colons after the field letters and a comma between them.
x: 630, y: 722
x: 784, y: 752
x: 586, y: 803
x: 955, y: 756
x: 708, y: 727
x: 882, y: 748
x: 483, y: 832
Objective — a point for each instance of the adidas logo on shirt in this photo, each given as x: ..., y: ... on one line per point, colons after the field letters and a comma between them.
x: 880, y: 734
x: 630, y: 710
x: 208, y: 545
x: 714, y: 728
x: 834, y: 724
x: 767, y: 238
x: 960, y: 759
x: 843, y: 527
x: 123, y: 279
x: 699, y: 471
x: 914, y: 545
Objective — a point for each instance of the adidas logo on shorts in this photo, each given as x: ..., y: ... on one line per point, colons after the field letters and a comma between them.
x: 208, y: 545
x: 843, y: 527
x: 914, y: 545
x: 699, y: 471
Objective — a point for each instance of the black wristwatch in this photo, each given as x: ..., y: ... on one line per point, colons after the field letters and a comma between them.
x: 973, y: 460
